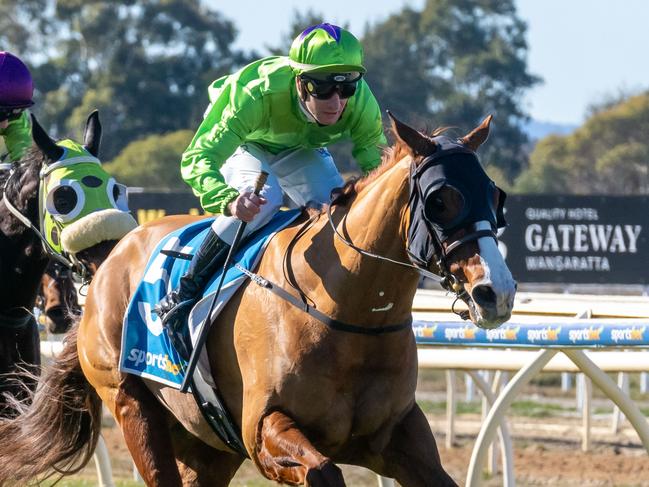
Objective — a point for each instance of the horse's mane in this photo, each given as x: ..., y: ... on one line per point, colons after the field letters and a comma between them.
x: 390, y: 157
x: 33, y: 160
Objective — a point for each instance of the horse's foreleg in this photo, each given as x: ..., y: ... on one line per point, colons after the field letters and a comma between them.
x: 285, y: 455
x: 146, y: 432
x: 200, y: 464
x: 411, y: 456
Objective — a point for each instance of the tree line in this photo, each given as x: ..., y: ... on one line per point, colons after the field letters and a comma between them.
x: 146, y: 65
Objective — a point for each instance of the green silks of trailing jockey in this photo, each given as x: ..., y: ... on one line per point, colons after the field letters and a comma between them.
x: 81, y: 204
x: 17, y: 136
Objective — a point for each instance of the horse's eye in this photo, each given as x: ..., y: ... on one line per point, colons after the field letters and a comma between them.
x: 116, y: 192
x: 65, y: 199
x: 444, y: 205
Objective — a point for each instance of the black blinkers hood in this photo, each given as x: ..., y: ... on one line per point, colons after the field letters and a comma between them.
x: 453, y: 165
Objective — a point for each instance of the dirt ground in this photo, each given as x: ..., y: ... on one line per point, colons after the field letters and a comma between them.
x: 542, y: 456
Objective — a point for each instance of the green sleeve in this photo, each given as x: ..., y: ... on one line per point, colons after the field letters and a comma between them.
x: 367, y: 134
x: 18, y: 136
x: 233, y: 114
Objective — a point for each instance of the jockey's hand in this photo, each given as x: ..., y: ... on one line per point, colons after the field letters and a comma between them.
x: 246, y: 206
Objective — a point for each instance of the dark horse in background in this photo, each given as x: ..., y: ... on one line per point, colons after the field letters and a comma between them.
x: 57, y: 298
x: 23, y: 261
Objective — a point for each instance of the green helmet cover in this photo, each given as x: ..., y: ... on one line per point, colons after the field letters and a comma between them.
x: 326, y: 48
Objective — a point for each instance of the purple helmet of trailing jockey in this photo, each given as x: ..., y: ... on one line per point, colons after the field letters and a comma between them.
x: 16, y: 85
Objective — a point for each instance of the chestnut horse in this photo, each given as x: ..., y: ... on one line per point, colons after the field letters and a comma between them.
x: 303, y: 394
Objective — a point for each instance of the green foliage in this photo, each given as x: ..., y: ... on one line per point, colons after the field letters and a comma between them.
x: 609, y: 154
x: 451, y: 64
x: 144, y: 64
x: 152, y: 162
x: 519, y: 408
x: 299, y: 22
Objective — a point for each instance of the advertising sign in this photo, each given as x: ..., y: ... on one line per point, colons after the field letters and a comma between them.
x: 577, y: 239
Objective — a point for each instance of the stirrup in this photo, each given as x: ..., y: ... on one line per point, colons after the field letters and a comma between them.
x: 175, y: 324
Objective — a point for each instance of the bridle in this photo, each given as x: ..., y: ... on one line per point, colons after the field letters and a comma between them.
x: 69, y: 261
x: 441, y: 249
x: 445, y: 278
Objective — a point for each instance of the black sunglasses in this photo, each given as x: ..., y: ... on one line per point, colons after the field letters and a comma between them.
x: 10, y: 113
x: 324, y: 87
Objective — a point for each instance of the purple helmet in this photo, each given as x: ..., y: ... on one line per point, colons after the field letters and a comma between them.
x: 16, y: 85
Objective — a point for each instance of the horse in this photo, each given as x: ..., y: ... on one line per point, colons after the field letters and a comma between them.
x: 25, y: 253
x: 57, y: 298
x: 304, y: 394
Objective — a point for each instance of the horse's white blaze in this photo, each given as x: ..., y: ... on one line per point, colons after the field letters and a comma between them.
x: 496, y: 275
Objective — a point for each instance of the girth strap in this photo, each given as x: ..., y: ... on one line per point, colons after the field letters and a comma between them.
x: 330, y: 322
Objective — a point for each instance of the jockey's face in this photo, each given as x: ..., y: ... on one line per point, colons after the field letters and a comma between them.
x: 328, y: 111
x: 4, y: 123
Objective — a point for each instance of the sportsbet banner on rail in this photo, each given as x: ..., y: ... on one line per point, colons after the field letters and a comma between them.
x: 572, y: 239
x: 577, y: 239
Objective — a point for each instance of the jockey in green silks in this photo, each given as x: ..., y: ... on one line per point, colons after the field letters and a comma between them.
x: 16, y: 91
x: 81, y: 204
x: 276, y: 114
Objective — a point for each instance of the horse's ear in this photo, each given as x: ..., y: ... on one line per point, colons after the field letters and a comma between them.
x: 478, y: 135
x: 92, y: 133
x: 44, y: 142
x: 420, y: 144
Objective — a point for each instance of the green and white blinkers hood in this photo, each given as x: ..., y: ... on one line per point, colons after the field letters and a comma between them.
x: 81, y: 205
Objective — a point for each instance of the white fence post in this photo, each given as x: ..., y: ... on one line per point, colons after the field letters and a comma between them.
x: 451, y: 408
x: 644, y: 382
x: 586, y: 410
x: 470, y: 388
x: 102, y: 462
x: 618, y: 417
x: 566, y: 381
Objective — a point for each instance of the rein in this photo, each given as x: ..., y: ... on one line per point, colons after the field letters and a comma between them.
x: 447, y: 280
x: 420, y: 270
x: 323, y: 318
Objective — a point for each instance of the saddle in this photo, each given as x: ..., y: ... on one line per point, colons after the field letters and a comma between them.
x: 147, y: 351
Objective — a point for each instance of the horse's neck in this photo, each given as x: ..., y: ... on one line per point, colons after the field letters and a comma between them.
x: 25, y: 264
x: 375, y: 221
x: 23, y: 259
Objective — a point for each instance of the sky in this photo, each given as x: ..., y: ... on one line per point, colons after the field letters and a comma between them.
x: 585, y: 50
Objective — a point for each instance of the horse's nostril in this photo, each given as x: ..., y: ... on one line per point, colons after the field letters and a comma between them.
x: 483, y: 295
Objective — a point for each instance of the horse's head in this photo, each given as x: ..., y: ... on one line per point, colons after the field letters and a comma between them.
x: 81, y: 205
x: 455, y: 211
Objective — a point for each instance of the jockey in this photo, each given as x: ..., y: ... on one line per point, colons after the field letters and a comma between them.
x: 276, y: 114
x: 16, y: 91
